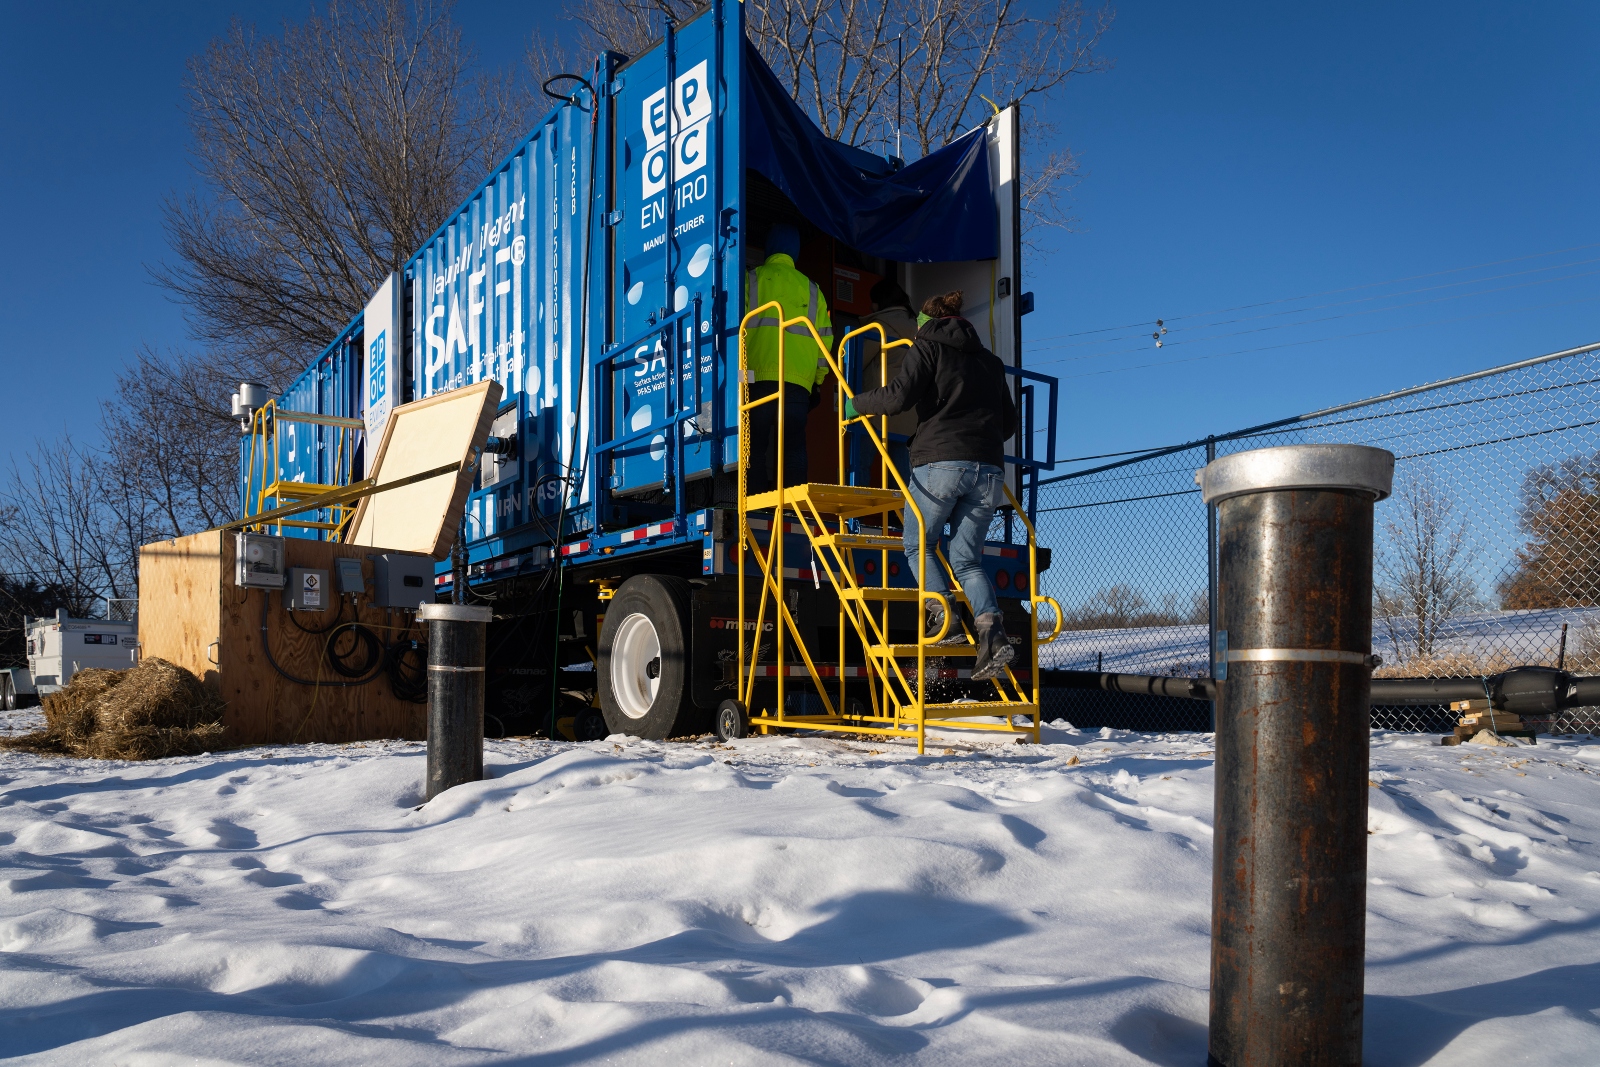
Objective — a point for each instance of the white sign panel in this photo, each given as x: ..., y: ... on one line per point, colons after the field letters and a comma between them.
x: 380, y: 337
x: 691, y: 112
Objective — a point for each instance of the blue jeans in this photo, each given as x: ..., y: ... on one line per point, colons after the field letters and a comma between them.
x: 965, y: 494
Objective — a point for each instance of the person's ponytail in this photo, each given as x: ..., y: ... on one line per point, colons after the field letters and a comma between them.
x: 944, y: 305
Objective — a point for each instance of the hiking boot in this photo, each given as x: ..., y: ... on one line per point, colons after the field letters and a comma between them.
x: 933, y: 622
x: 994, y: 648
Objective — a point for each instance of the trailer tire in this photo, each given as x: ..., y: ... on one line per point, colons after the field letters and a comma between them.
x: 643, y: 662
x: 8, y: 694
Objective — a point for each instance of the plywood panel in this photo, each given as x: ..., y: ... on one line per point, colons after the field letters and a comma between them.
x: 188, y: 600
x: 419, y: 437
x: 179, y: 590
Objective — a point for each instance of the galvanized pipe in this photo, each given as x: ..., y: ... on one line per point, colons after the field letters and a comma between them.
x: 1288, y: 918
x: 457, y: 651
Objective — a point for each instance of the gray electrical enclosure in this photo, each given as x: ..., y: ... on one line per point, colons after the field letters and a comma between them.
x: 402, y: 580
x: 307, y: 590
x: 350, y: 579
x: 258, y: 561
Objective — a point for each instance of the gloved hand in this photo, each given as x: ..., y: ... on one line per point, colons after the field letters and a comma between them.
x: 816, y: 398
x: 850, y: 411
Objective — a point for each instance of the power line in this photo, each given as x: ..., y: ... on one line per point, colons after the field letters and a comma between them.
x: 1325, y: 292
x: 1343, y: 336
x: 1342, y: 303
x: 1325, y: 318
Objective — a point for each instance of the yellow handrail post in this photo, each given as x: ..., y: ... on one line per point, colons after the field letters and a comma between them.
x: 898, y: 694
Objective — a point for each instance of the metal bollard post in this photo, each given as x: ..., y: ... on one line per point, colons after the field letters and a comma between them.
x: 457, y: 644
x: 1294, y: 667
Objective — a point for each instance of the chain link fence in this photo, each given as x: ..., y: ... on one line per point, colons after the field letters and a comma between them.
x: 1487, y: 554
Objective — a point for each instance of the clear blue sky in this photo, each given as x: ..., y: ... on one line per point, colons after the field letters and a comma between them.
x: 1237, y: 154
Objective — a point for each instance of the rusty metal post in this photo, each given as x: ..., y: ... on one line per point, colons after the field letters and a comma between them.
x: 1294, y: 668
x: 457, y: 654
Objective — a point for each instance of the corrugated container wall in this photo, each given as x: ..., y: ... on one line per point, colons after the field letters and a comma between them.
x: 514, y: 288
x: 498, y: 293
x: 307, y: 452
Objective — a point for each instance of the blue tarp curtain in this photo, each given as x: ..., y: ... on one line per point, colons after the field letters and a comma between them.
x: 939, y: 209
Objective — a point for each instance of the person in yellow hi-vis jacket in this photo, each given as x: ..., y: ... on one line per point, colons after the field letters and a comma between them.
x: 804, y: 366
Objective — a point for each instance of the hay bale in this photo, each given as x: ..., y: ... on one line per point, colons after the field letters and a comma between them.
x: 69, y: 714
x: 149, y: 711
x: 159, y: 694
x: 154, y: 742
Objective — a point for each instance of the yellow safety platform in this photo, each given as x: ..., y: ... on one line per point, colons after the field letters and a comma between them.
x: 266, y: 461
x: 894, y: 676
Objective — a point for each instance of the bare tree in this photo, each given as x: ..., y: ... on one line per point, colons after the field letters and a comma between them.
x: 1121, y: 606
x: 21, y: 599
x: 59, y: 529
x: 330, y: 154
x: 1423, y: 567
x: 1558, y: 567
x: 172, y: 440
x: 841, y: 60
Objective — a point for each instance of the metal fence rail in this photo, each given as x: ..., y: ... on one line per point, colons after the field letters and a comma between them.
x: 1488, y: 553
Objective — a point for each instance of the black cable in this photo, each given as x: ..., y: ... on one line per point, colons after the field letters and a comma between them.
x: 406, y: 663
x: 366, y: 642
x: 577, y: 408
x: 572, y: 97
x: 266, y: 647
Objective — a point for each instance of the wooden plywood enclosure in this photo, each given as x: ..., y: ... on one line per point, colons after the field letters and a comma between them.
x: 191, y: 613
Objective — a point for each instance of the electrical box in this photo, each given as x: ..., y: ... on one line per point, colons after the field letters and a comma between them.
x: 307, y: 590
x: 350, y: 579
x: 402, y: 580
x: 258, y: 561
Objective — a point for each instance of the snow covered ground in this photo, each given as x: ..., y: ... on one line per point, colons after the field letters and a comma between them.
x: 783, y: 900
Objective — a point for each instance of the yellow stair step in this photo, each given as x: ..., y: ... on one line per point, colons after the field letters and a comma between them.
x: 842, y: 500
x: 304, y: 525
x: 292, y: 491
x: 873, y: 592
x: 862, y: 541
x: 910, y: 651
x: 986, y: 707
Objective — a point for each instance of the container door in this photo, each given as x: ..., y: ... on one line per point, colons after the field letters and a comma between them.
x: 666, y: 179
x: 992, y: 286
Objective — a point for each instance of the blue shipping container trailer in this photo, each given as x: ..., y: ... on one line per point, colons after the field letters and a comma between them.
x: 599, y: 276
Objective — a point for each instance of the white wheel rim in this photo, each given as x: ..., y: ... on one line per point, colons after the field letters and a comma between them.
x: 632, y: 651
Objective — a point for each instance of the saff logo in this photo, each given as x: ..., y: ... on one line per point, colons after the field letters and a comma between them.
x: 378, y: 368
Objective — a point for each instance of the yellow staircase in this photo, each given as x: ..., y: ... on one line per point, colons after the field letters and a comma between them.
x: 895, y: 674
x: 266, y: 460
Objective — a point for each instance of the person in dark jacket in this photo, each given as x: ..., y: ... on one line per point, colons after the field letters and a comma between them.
x: 965, y: 414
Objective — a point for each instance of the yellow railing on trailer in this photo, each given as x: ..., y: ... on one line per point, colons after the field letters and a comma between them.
x: 265, y: 467
x: 898, y: 700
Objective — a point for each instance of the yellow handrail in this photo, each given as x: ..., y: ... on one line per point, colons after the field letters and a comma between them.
x: 889, y: 708
x: 266, y: 457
